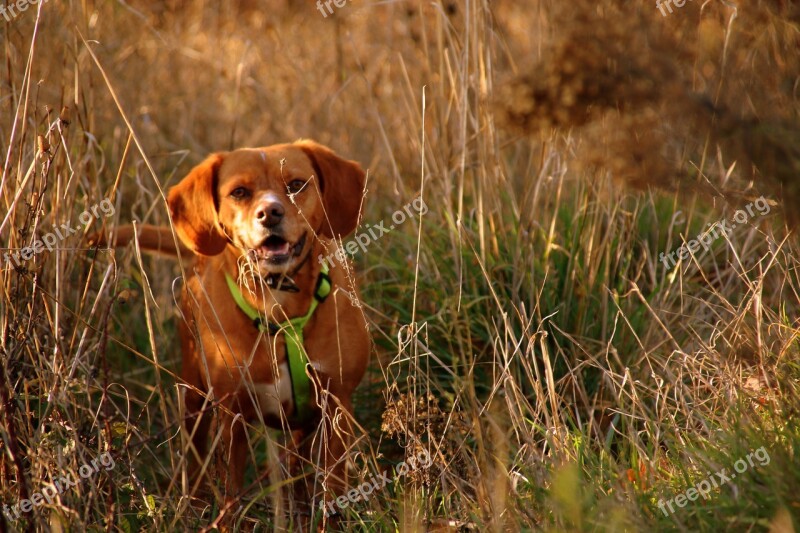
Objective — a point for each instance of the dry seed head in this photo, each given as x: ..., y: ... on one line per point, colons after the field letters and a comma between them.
x: 43, y: 143
x: 413, y: 419
x: 65, y: 115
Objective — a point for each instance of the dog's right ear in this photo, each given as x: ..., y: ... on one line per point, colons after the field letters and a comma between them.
x: 342, y: 184
x: 193, y: 206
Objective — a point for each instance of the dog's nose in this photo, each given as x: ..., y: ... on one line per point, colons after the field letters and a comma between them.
x: 270, y: 214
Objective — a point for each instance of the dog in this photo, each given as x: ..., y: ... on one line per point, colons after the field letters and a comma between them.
x: 268, y: 333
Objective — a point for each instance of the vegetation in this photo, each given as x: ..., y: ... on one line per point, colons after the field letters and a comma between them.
x: 528, y: 334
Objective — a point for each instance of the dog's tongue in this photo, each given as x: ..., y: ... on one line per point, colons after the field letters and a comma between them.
x: 277, y: 248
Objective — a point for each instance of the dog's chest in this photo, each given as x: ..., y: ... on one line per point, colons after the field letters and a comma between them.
x: 269, y: 383
x: 275, y: 399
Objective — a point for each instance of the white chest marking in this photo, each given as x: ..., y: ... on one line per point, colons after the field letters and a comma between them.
x: 272, y: 397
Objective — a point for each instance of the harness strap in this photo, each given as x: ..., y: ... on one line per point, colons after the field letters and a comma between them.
x: 292, y: 329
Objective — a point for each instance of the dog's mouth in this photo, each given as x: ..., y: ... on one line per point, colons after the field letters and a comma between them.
x: 276, y: 250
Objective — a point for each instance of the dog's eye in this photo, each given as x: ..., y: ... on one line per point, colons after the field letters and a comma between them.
x: 295, y: 186
x: 239, y: 193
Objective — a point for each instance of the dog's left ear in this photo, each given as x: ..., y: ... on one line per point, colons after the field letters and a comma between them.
x: 342, y: 184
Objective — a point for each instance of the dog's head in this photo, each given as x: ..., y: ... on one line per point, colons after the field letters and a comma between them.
x: 268, y: 202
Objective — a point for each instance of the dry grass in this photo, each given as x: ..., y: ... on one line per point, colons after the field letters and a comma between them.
x: 526, y: 332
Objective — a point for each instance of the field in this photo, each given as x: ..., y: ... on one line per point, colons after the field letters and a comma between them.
x: 592, y: 327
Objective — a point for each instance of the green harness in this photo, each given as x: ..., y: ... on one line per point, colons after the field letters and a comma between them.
x: 293, y: 331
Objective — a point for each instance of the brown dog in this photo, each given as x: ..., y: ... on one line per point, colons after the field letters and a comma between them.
x: 257, y: 220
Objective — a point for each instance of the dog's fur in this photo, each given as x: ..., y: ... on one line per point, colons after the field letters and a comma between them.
x: 224, y: 211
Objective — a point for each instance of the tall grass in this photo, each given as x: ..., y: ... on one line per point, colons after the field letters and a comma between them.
x: 526, y: 333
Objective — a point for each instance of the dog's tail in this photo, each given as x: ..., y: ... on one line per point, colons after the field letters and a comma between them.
x: 155, y: 239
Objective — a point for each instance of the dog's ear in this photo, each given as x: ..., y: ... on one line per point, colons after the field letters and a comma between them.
x: 341, y: 182
x: 193, y: 206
